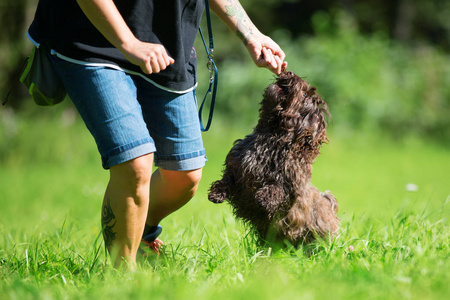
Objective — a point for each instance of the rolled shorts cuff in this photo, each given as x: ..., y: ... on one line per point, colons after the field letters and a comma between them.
x: 127, y: 155
x: 186, y: 162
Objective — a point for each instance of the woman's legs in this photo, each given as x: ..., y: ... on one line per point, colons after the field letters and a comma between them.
x: 126, y: 203
x: 169, y: 191
x: 124, y: 209
x: 130, y: 120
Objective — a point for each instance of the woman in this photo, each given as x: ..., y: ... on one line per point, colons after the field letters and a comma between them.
x: 129, y: 67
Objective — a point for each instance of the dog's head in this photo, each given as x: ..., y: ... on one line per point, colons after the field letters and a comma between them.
x: 292, y: 109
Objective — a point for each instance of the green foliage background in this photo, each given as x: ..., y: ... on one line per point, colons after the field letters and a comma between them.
x: 380, y: 65
x: 369, y: 82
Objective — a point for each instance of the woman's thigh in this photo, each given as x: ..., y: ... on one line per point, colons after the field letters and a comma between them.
x: 107, y: 101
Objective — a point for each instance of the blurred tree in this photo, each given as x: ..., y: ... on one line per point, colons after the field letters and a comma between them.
x: 411, y: 22
x: 15, y: 17
x: 408, y: 21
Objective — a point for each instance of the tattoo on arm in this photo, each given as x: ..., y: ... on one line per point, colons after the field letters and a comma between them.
x: 108, y: 223
x: 244, y: 31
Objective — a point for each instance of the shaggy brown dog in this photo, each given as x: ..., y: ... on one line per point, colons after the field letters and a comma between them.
x: 267, y: 174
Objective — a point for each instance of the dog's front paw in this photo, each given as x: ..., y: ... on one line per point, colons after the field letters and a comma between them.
x: 215, y: 198
x: 217, y: 192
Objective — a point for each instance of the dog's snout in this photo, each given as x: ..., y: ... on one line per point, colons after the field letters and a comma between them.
x: 287, y: 74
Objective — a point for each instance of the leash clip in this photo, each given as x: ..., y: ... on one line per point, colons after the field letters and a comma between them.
x: 211, y: 66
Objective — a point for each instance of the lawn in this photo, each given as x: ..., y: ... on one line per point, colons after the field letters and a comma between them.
x: 394, y: 241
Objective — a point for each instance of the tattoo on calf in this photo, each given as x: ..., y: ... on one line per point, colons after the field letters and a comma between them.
x: 234, y: 9
x: 108, y: 223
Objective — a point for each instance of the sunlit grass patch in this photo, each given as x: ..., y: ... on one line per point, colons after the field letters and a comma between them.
x: 393, y: 243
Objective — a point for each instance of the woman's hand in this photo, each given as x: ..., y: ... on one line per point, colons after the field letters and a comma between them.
x: 266, y: 53
x: 263, y: 50
x: 103, y: 14
x: 151, y: 58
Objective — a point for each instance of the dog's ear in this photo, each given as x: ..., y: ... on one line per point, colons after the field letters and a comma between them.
x: 311, y: 134
x: 272, y: 96
x: 271, y: 107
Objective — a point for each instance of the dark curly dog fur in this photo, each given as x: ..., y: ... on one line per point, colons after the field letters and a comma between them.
x: 267, y: 175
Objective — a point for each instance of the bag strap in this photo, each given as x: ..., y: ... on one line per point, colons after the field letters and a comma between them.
x: 213, y: 72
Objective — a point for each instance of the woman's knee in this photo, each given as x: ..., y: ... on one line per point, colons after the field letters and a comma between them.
x: 193, y: 178
x: 184, y: 180
x: 133, y: 174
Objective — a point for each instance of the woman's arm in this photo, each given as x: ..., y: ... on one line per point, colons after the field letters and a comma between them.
x: 263, y: 50
x: 104, y: 15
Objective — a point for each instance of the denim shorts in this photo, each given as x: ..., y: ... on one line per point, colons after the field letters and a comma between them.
x: 130, y: 117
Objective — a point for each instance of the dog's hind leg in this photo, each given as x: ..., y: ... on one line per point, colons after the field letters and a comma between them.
x: 325, y: 210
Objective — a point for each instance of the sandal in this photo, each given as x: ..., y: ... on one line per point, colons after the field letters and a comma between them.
x: 151, y: 239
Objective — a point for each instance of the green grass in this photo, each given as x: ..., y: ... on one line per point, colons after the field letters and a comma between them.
x: 51, y: 186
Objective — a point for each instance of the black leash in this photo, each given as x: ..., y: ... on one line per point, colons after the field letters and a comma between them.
x: 213, y: 73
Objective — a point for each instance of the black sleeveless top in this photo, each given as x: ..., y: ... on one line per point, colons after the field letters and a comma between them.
x: 172, y: 23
